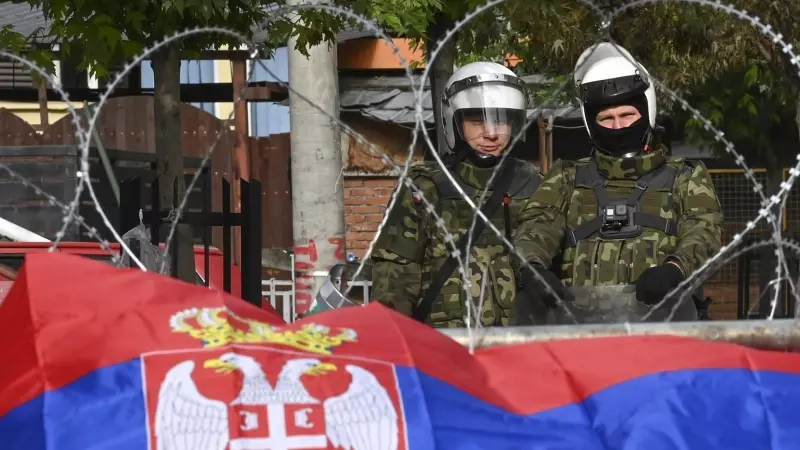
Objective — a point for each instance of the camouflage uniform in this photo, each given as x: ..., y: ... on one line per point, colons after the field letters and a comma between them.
x: 685, y: 197
x: 412, y: 248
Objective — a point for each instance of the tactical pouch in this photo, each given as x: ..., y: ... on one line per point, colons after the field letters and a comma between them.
x: 601, y: 304
x: 502, y: 286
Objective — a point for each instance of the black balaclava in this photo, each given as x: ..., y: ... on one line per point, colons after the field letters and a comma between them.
x: 623, y: 141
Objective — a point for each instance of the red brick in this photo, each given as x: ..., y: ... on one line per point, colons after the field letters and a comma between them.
x: 354, y: 201
x: 369, y: 192
x: 364, y: 209
x: 353, y: 182
x: 357, y: 244
x: 381, y: 182
x: 383, y: 192
x: 356, y: 227
x: 355, y: 218
x: 380, y: 200
x: 358, y: 236
x: 362, y: 192
x: 371, y: 200
x: 373, y: 218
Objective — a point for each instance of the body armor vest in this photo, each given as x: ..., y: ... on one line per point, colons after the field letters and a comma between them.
x: 624, y: 218
x: 521, y: 189
x: 488, y: 253
x: 617, y: 228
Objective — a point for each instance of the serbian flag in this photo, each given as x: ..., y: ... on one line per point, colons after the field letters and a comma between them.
x: 98, y: 358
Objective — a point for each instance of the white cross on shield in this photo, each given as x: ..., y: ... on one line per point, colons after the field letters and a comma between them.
x: 277, y: 427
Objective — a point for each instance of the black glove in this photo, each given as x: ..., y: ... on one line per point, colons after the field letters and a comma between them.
x: 656, y: 282
x: 535, y: 289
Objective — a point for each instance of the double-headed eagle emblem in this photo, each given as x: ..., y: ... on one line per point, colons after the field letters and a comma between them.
x: 361, y: 418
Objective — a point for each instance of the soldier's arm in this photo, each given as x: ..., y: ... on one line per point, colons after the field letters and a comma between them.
x: 700, y: 225
x: 399, y: 251
x: 542, y: 219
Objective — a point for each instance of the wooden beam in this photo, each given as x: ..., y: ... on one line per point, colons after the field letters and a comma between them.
x: 190, y: 93
x: 241, y: 155
x: 265, y: 91
x: 205, y: 55
x: 238, y: 76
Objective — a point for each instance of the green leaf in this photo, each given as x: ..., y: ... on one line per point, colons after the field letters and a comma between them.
x: 751, y: 76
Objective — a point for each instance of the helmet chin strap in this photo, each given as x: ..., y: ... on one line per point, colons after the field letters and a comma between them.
x: 482, y: 159
x: 477, y: 158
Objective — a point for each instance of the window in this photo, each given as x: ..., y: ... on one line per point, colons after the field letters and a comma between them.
x: 14, y: 75
x: 71, y: 77
x: 129, y: 81
x: 269, y: 118
x: 192, y: 72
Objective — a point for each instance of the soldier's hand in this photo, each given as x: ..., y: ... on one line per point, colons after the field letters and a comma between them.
x: 656, y: 282
x: 536, y: 288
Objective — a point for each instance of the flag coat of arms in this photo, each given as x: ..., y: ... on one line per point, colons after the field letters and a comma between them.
x: 247, y: 397
x: 99, y: 358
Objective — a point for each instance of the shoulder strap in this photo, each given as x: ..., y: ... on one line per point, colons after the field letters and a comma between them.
x: 661, y: 178
x: 588, y: 175
x: 665, y: 178
x: 446, y: 188
x: 526, y: 179
x: 423, y: 309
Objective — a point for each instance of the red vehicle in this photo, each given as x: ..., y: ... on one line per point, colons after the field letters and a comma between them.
x: 12, y: 255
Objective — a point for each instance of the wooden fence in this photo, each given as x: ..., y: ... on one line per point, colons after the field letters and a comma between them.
x: 126, y: 123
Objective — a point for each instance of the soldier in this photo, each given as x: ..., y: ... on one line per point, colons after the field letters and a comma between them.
x: 483, y: 109
x: 627, y: 215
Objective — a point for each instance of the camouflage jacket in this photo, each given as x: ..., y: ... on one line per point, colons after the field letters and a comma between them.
x: 678, y: 213
x: 412, y: 247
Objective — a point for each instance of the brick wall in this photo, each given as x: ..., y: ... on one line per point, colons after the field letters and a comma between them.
x: 365, y: 201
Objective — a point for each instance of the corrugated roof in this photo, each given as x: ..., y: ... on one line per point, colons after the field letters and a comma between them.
x: 405, y: 116
x: 348, y: 35
x: 390, y: 99
x: 363, y: 98
x: 385, y: 98
x: 24, y: 19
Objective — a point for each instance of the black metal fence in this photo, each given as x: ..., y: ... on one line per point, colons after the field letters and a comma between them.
x: 763, y: 259
x: 54, y: 168
x: 134, y: 197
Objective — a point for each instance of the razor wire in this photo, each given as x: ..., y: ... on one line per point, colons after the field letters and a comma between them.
x: 726, y: 253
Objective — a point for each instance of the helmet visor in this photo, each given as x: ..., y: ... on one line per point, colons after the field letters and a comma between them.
x: 488, y: 110
x: 489, y: 130
x: 614, y: 91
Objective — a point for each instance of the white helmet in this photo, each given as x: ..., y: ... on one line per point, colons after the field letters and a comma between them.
x: 606, y: 74
x: 486, y: 89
